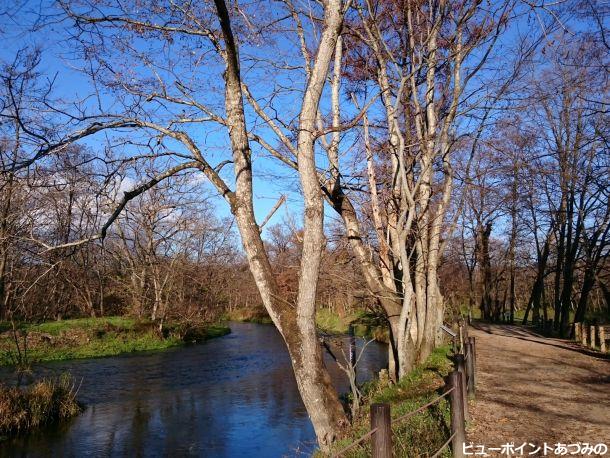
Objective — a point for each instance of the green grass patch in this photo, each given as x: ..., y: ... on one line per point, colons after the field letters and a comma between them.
x: 418, y: 436
x: 57, y: 327
x: 332, y: 323
x: 96, y: 337
x: 365, y: 324
x: 107, y: 345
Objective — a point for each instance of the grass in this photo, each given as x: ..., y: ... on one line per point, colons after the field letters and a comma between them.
x: 418, y: 436
x: 57, y: 327
x: 365, y: 324
x: 95, y: 337
x: 46, y: 401
x: 332, y: 323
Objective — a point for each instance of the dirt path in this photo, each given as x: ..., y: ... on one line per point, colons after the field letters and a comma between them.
x: 536, y: 390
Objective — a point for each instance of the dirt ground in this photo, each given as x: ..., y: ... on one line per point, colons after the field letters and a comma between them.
x: 532, y: 389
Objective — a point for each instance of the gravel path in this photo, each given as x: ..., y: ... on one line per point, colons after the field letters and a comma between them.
x: 532, y: 389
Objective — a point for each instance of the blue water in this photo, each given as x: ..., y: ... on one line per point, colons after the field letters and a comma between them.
x: 233, y: 396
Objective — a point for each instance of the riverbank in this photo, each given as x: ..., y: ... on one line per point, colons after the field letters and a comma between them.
x: 95, y: 337
x: 256, y: 315
x: 420, y: 435
x: 365, y: 325
x: 44, y: 402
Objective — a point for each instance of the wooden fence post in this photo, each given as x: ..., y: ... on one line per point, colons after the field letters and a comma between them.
x: 602, y: 339
x: 456, y: 404
x: 584, y: 335
x: 471, y: 368
x: 460, y: 365
x: 381, y: 443
x: 592, y: 342
x: 577, y: 332
x: 461, y: 336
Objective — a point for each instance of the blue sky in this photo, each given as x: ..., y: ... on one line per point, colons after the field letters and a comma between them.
x: 271, y: 178
x: 59, y: 61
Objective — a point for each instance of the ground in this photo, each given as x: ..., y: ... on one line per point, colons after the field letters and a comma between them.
x: 536, y: 390
x: 93, y: 337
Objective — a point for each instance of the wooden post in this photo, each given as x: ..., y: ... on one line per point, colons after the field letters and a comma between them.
x: 584, y: 335
x: 577, y: 332
x: 602, y: 339
x: 381, y: 442
x: 460, y: 365
x: 461, y: 336
x: 471, y: 368
x: 456, y: 404
x: 592, y: 342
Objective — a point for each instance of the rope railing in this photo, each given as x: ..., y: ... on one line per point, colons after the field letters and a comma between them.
x: 440, y: 450
x: 461, y: 384
x: 424, y: 407
x: 397, y: 420
x: 353, y: 444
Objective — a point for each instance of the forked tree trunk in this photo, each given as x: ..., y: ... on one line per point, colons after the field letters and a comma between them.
x: 297, y: 326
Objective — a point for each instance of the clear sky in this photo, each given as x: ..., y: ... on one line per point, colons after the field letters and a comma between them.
x: 61, y: 61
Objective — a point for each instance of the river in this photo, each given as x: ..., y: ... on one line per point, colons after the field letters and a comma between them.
x: 234, y: 396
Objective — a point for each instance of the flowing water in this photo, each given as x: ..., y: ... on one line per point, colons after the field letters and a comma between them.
x: 234, y: 396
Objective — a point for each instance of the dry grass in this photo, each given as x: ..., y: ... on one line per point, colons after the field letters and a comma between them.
x: 421, y: 435
x: 43, y: 402
x: 250, y: 315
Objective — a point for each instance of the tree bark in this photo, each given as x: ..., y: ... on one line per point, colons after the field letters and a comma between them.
x: 297, y: 327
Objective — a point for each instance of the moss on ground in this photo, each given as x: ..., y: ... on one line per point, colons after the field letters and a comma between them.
x: 418, y: 436
x: 95, y: 337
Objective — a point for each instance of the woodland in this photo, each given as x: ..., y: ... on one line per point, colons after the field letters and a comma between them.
x: 416, y: 160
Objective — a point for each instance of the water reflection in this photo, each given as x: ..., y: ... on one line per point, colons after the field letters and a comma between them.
x: 231, y: 397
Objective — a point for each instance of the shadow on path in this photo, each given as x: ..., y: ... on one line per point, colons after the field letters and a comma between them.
x: 535, y: 389
x: 529, y: 333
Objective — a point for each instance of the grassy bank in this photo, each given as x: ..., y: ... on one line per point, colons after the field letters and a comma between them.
x: 365, y: 324
x: 94, y: 337
x: 250, y: 315
x: 46, y: 401
x: 420, y: 435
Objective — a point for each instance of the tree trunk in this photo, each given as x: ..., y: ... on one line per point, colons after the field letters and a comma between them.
x: 297, y: 327
x: 484, y: 262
